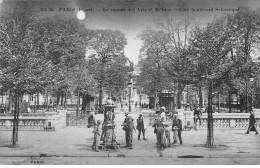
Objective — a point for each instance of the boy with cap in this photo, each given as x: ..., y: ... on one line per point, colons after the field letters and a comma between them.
x: 96, y: 132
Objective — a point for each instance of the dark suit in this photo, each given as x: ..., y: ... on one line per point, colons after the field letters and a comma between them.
x: 252, y: 122
x: 129, y: 131
x: 177, y: 122
x: 140, y: 127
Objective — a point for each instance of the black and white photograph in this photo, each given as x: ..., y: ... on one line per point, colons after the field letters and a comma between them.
x: 129, y: 82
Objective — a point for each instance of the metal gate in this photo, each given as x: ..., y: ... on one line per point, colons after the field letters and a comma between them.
x: 76, y: 120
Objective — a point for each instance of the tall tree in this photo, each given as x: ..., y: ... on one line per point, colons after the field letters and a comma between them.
x: 212, y: 61
x: 20, y: 61
x: 65, y: 42
x: 116, y: 77
x: 103, y: 49
x: 82, y: 83
x: 153, y: 78
x: 243, y: 38
x: 178, y: 64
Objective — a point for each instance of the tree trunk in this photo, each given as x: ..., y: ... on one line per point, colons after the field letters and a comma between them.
x: 78, y: 103
x: 179, y: 96
x: 14, y: 141
x: 84, y: 103
x: 210, y: 137
x: 10, y: 102
x: 65, y: 100
x: 200, y: 97
x: 35, y: 103
x: 2, y: 97
x: 242, y: 103
x: 37, y: 106
x: 218, y: 103
x: 47, y: 102
x: 237, y: 102
x: 58, y: 100
x: 154, y: 104
x: 229, y: 102
x: 61, y: 101
x: 100, y: 94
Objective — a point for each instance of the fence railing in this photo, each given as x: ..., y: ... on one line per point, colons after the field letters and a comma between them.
x: 25, y: 123
x: 220, y: 120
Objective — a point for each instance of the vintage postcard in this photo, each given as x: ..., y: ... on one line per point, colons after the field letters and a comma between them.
x: 129, y: 82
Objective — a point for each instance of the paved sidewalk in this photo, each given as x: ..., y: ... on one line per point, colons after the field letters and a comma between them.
x: 72, y: 145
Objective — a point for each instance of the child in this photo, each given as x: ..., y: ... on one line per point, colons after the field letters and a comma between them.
x: 96, y: 132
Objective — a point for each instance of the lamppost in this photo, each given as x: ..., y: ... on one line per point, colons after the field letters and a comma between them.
x: 130, y: 81
x: 130, y: 88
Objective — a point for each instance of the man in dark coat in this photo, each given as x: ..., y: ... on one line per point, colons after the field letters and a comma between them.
x: 159, y: 132
x: 177, y: 126
x: 252, y: 122
x: 140, y: 127
x: 197, y: 113
x: 128, y: 128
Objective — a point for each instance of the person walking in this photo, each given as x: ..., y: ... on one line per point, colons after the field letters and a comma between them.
x: 96, y: 132
x: 128, y: 128
x: 176, y: 128
x: 197, y: 113
x: 252, y: 122
x: 140, y: 127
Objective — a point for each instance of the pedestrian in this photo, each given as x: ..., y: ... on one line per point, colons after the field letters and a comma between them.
x: 128, y: 128
x: 91, y: 118
x: 140, y: 127
x: 197, y: 113
x: 163, y: 115
x: 160, y: 132
x: 96, y: 132
x: 155, y: 128
x: 176, y: 128
x: 252, y: 122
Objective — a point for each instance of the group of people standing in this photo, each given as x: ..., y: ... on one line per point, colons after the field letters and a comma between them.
x: 128, y: 127
x: 161, y: 128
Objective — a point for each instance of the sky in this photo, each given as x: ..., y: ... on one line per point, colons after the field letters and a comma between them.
x: 132, y: 16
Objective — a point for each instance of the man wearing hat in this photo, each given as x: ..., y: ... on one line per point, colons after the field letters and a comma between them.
x: 128, y: 128
x: 177, y: 126
x: 252, y: 122
x: 140, y: 127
